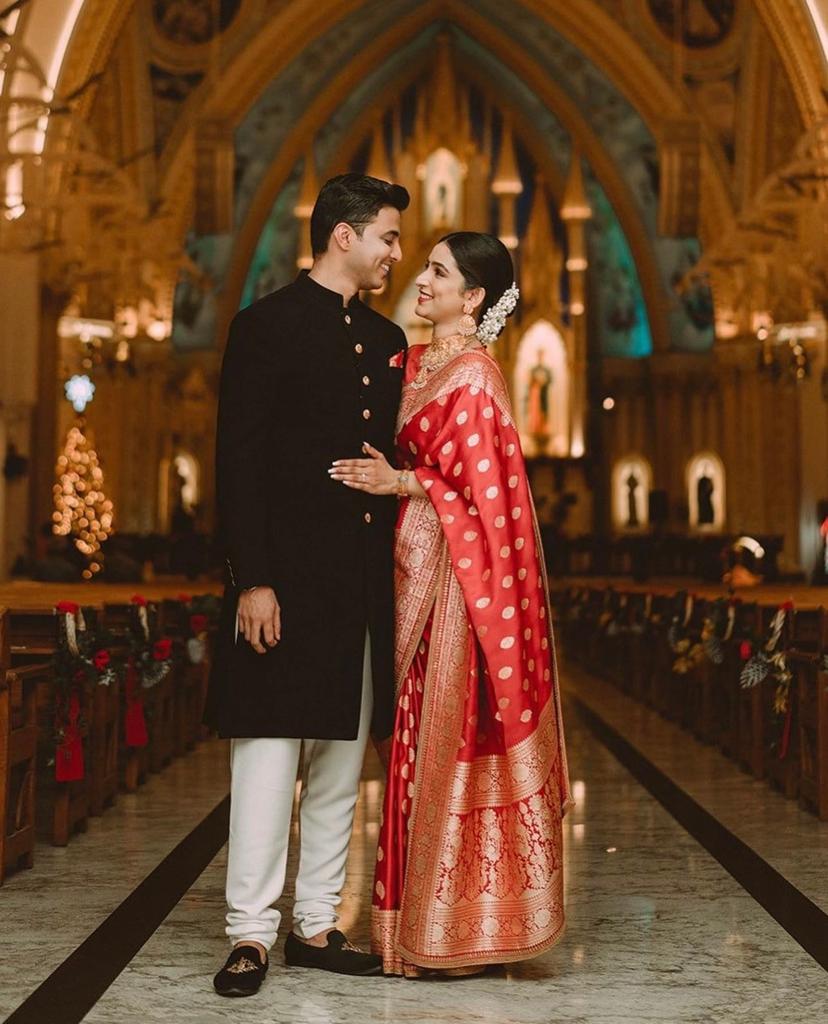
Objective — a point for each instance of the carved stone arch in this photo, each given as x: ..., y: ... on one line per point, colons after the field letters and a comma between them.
x: 236, y: 91
x: 320, y: 110
x: 794, y: 34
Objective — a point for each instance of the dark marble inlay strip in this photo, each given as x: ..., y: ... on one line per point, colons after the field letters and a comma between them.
x: 802, y: 919
x: 74, y: 987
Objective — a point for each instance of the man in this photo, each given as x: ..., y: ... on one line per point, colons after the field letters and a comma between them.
x: 305, y: 652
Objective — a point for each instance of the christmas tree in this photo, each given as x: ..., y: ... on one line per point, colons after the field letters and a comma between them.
x: 81, y: 507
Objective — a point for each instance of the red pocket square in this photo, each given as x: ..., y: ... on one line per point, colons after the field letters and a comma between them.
x: 396, y: 361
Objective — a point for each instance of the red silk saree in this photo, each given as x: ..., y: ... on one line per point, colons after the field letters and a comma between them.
x: 469, y: 863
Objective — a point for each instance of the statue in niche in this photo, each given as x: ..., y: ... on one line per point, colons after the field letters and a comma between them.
x: 537, y: 401
x: 442, y: 189
x: 698, y: 24
x: 633, y: 484
x: 190, y: 22
x: 704, y: 496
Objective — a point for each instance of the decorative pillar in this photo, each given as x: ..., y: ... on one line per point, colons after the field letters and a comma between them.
x: 575, y: 212
x: 507, y: 186
x: 214, y: 174
x: 19, y: 343
x: 378, y: 166
x: 303, y: 210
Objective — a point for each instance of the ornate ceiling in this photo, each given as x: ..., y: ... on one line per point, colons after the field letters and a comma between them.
x: 700, y: 109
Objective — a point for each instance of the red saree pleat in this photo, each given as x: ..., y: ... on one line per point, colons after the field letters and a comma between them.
x: 389, y: 878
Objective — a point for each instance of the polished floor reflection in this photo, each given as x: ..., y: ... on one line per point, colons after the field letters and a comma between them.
x: 658, y: 931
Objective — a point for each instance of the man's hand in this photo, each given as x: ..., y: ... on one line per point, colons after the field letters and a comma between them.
x: 260, y: 618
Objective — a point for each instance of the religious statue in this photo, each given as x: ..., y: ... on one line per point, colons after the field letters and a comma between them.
x: 704, y: 496
x: 633, y: 484
x: 537, y: 401
x: 442, y: 189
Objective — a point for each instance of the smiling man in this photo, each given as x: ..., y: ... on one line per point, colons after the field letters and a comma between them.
x: 305, y: 652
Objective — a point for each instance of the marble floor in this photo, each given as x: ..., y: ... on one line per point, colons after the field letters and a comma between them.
x: 658, y: 930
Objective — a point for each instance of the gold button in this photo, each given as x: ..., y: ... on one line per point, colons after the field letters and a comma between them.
x: 358, y: 349
x: 347, y: 319
x: 366, y: 414
x: 367, y: 517
x: 366, y: 380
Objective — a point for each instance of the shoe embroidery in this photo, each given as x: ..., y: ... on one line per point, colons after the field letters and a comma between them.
x: 242, y: 966
x: 351, y: 947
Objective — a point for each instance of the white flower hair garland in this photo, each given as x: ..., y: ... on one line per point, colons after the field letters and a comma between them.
x: 494, y: 319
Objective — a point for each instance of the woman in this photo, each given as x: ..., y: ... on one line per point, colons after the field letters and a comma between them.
x: 469, y: 864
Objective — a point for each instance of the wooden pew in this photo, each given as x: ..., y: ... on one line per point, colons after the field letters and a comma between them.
x: 159, y: 709
x: 752, y: 734
x: 782, y: 764
x: 104, y: 737
x: 18, y: 757
x: 726, y: 692
x: 190, y: 688
x: 663, y: 683
x: 34, y: 636
x: 811, y: 681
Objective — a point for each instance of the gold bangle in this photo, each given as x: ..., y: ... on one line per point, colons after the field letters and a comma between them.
x: 402, y: 483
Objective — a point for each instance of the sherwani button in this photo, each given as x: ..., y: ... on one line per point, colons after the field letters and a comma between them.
x: 358, y: 349
x: 366, y: 414
x: 347, y: 319
x: 366, y: 380
x: 367, y: 517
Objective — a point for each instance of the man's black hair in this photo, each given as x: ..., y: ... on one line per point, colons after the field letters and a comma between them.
x: 354, y: 199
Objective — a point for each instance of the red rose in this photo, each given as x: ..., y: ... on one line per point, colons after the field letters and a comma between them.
x: 745, y: 650
x: 141, y: 601
x: 198, y: 623
x: 101, y: 659
x: 184, y: 598
x: 67, y: 608
x: 787, y: 606
x: 162, y: 649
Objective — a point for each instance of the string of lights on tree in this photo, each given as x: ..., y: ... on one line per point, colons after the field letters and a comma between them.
x: 82, y: 509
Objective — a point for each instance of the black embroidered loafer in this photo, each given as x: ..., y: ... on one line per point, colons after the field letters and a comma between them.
x: 243, y: 973
x: 339, y: 956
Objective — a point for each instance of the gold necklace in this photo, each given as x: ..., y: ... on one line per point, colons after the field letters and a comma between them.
x: 439, y: 352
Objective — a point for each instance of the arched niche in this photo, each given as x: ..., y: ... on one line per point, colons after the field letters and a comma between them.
x: 442, y: 175
x: 542, y: 389
x: 632, y: 481
x: 706, y: 498
x: 179, y: 491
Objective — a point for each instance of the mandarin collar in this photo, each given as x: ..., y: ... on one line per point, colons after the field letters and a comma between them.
x: 320, y: 295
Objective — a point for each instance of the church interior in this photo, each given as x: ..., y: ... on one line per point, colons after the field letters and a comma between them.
x: 658, y: 170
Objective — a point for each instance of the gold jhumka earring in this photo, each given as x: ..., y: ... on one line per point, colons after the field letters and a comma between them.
x: 467, y: 325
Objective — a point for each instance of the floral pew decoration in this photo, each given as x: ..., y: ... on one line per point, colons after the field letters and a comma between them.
x: 718, y: 628
x: 766, y: 659
x: 149, y: 660
x: 83, y: 659
x: 202, y: 613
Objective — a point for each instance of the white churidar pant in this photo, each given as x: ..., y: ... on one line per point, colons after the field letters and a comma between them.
x: 263, y: 781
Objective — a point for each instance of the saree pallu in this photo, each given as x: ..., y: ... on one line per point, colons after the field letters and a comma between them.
x: 469, y: 862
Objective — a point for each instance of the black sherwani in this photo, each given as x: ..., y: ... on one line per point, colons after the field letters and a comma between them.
x: 306, y: 380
